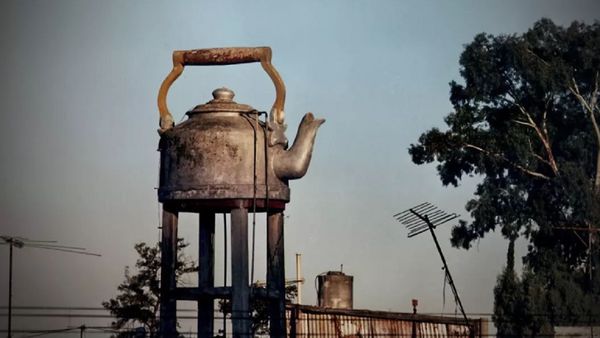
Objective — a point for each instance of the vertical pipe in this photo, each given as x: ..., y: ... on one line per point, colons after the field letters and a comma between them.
x: 206, y: 273
x: 10, y: 268
x: 294, y: 322
x: 276, y: 273
x: 168, y: 245
x: 240, y: 300
x: 299, y: 280
x: 224, y: 268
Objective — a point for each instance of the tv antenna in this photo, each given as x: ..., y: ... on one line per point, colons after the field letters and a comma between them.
x: 20, y: 242
x: 427, y: 216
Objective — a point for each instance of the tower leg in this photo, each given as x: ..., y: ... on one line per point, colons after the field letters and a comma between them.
x: 168, y: 246
x: 240, y: 300
x: 206, y: 273
x: 276, y: 273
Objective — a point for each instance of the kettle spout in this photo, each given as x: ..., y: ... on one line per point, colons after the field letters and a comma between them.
x: 293, y: 163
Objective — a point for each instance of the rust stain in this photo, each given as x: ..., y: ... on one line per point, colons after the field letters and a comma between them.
x: 312, y: 321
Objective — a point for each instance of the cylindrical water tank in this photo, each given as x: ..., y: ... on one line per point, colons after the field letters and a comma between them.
x: 334, y: 290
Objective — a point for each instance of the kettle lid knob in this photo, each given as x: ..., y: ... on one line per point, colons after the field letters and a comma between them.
x: 223, y: 94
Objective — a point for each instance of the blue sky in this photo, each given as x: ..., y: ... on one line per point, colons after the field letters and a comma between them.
x: 78, y: 146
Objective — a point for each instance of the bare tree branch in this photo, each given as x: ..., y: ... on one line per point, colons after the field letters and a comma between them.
x: 588, y: 109
x: 540, y: 158
x: 542, y: 132
x: 503, y: 158
x: 543, y: 136
x: 523, y: 123
x: 539, y: 58
x: 545, y: 116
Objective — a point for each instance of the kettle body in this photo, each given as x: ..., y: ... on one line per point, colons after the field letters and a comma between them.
x: 220, y: 152
x: 223, y: 153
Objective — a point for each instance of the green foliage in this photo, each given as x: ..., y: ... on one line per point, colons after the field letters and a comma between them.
x: 525, y: 120
x: 519, y: 303
x: 508, y: 312
x: 137, y: 302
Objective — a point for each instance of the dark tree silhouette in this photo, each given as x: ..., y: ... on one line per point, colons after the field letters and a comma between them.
x: 525, y: 120
x: 138, y: 300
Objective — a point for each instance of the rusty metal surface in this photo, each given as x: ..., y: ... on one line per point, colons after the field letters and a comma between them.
x: 226, y: 205
x: 224, y: 56
x: 308, y: 321
x: 222, y: 102
x: 223, y: 151
x: 335, y: 290
x: 220, y: 155
x: 214, y: 156
x: 222, y: 191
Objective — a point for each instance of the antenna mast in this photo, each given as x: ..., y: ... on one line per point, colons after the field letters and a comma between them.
x: 427, y: 216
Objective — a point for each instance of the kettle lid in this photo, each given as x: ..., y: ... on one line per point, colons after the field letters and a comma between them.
x: 222, y: 102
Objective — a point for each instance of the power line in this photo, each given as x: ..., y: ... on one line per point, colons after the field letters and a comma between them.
x: 20, y: 242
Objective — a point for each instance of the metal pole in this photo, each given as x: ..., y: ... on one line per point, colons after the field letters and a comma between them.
x: 240, y: 298
x: 450, y: 280
x: 299, y: 277
x: 224, y: 268
x: 10, y: 264
x: 206, y: 273
x: 276, y: 273
x: 168, y: 303
x: 414, y: 323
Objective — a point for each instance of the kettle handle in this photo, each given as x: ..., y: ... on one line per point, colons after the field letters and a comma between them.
x: 220, y: 56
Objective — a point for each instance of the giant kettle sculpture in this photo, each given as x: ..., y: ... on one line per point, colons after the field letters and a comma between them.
x: 224, y: 158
